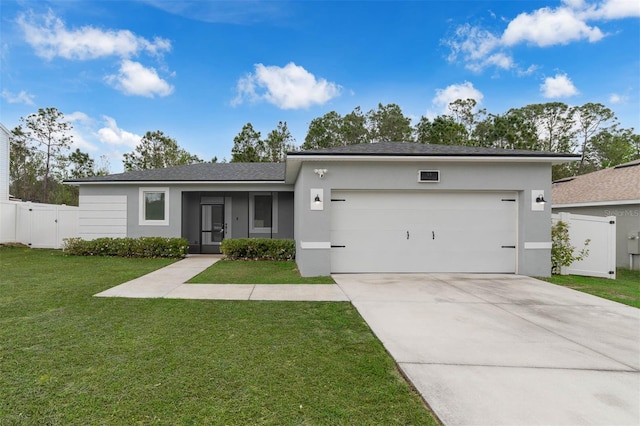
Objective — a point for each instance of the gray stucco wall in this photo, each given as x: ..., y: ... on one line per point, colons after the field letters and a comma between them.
x: 533, y: 226
x: 627, y: 220
x: 239, y: 194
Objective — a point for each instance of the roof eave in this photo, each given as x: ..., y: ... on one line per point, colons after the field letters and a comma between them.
x: 560, y: 158
x: 170, y: 182
x: 594, y: 203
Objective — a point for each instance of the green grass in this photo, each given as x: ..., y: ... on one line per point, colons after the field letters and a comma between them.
x: 256, y: 272
x: 67, y: 358
x: 624, y: 289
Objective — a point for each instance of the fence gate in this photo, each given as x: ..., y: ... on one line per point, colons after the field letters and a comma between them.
x: 39, y: 225
x: 601, y: 261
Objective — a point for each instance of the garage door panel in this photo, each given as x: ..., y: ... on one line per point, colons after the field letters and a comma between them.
x: 448, y: 232
x: 363, y: 219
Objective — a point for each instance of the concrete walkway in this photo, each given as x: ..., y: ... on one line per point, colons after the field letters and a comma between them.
x: 169, y: 282
x: 506, y: 349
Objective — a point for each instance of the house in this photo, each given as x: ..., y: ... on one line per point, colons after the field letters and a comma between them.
x: 610, y: 192
x: 382, y: 207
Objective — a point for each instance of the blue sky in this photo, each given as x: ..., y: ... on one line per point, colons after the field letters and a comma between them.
x: 200, y: 70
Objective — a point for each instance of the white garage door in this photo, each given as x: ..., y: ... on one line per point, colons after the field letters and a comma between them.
x: 423, y: 231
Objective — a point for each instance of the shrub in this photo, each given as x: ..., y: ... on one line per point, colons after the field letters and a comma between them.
x: 562, y: 252
x: 128, y: 247
x: 258, y: 249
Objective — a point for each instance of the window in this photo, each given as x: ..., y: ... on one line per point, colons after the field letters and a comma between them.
x: 154, y: 206
x: 263, y: 212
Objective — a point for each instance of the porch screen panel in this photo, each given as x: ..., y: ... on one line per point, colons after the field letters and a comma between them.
x: 206, y: 225
x: 262, y: 216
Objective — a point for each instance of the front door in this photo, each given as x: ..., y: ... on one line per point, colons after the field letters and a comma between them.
x: 211, y: 227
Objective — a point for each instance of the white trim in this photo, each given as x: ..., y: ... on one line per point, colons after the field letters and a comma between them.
x: 432, y: 158
x: 273, y: 229
x: 428, y: 181
x: 537, y: 246
x: 316, y: 192
x: 596, y: 204
x: 535, y: 206
x: 315, y: 245
x: 142, y: 221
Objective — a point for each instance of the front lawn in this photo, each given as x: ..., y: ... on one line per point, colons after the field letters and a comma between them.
x: 624, y: 289
x: 256, y: 272
x: 69, y: 358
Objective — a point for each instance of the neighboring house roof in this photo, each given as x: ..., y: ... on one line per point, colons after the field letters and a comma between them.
x: 616, y: 184
x: 420, y: 149
x: 201, y: 172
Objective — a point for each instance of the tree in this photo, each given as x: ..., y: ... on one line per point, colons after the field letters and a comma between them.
x: 81, y: 165
x: 247, y: 146
x: 354, y: 128
x: 324, y: 132
x: 553, y: 122
x: 50, y: 133
x: 563, y: 254
x: 612, y: 147
x: 590, y: 119
x: 462, y: 112
x: 554, y: 125
x: 508, y: 131
x: 157, y: 151
x: 279, y: 141
x: 25, y: 167
x: 387, y: 123
x: 443, y: 130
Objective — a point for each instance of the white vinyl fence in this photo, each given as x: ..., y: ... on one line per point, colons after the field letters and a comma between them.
x: 37, y: 225
x: 601, y: 261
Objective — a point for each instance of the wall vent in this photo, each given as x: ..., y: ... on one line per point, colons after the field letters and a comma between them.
x: 429, y: 176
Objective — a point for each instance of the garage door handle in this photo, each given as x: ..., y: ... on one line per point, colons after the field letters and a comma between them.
x: 508, y: 246
x: 407, y: 235
x: 433, y: 235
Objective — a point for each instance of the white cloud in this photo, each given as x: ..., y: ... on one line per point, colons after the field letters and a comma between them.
x: 81, y: 131
x: 454, y: 92
x: 50, y: 38
x: 473, y: 42
x: 288, y: 87
x: 111, y: 134
x: 548, y: 27
x: 570, y: 22
x: 559, y: 86
x: 615, y: 98
x: 528, y: 71
x: 78, y: 117
x: 574, y: 4
x: 18, y: 98
x: 133, y: 78
x: 614, y: 9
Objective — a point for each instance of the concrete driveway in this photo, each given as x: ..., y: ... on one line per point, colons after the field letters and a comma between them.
x: 506, y: 349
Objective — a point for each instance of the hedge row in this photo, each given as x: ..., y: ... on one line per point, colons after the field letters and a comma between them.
x: 128, y: 247
x: 258, y: 249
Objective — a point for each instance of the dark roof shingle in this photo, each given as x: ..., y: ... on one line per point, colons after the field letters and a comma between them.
x: 620, y: 183
x: 202, y: 172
